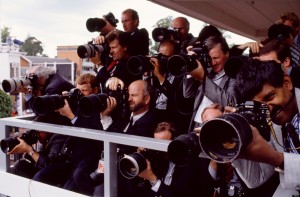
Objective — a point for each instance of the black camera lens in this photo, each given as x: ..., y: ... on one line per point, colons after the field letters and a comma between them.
x: 131, y: 165
x: 30, y: 137
x: 47, y: 103
x: 95, y: 24
x: 89, y: 50
x: 222, y: 139
x: 88, y: 105
x: 178, y: 65
x: 184, y: 149
x: 8, y: 144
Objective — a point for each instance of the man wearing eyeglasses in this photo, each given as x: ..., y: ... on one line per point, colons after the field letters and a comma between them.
x: 182, y: 25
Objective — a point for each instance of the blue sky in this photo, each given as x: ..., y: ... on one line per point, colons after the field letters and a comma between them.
x: 57, y: 23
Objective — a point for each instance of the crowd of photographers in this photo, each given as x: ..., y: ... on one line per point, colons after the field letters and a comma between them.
x: 232, y: 117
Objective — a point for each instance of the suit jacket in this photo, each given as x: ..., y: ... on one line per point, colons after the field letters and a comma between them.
x: 192, y: 180
x: 225, y: 93
x: 140, y: 42
x: 179, y: 109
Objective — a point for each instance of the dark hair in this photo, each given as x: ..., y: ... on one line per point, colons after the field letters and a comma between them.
x: 281, y: 49
x: 121, y: 36
x: 254, y: 74
x: 279, y: 32
x: 162, y: 126
x: 211, y: 42
x: 207, y: 32
x: 111, y: 19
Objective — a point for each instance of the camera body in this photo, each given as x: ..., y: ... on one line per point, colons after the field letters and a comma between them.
x: 258, y: 115
x: 49, y: 103
x: 139, y: 64
x: 131, y: 165
x: 89, y: 50
x: 202, y: 54
x: 96, y: 103
x: 160, y: 34
x: 13, y: 84
x: 223, y: 138
x: 30, y: 137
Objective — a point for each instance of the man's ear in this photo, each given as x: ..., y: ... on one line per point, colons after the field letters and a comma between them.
x: 287, y: 82
x: 287, y: 62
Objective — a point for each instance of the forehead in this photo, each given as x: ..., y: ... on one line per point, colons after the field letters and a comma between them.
x: 268, y: 56
x: 164, y: 135
x: 267, y: 89
x: 83, y: 86
x: 166, y: 49
x: 216, y: 50
x: 126, y: 16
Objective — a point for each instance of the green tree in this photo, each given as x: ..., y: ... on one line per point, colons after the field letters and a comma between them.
x: 165, y: 23
x: 5, y: 105
x: 4, y: 33
x: 32, y: 46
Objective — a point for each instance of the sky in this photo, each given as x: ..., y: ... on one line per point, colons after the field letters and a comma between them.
x: 62, y: 22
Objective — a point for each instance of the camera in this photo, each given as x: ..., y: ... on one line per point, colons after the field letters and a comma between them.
x: 139, y: 64
x: 96, y: 103
x: 183, y: 149
x: 30, y: 137
x: 89, y: 50
x: 160, y: 34
x: 95, y: 24
x: 178, y: 65
x: 49, y: 103
x: 131, y: 165
x: 13, y: 84
x: 223, y: 138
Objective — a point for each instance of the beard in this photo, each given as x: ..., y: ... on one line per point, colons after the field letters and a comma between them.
x: 136, y: 107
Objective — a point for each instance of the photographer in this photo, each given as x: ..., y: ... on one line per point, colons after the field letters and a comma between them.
x: 182, y: 26
x: 170, y: 106
x: 266, y: 82
x: 139, y: 37
x: 210, y: 87
x: 35, y: 161
x: 48, y: 82
x: 190, y: 180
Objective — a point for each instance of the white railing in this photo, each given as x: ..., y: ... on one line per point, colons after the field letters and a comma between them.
x: 12, y: 185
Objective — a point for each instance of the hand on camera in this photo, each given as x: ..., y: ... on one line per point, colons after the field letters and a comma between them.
x: 99, y: 39
x: 148, y: 172
x: 66, y: 110
x: 261, y: 151
x: 156, y: 70
x: 22, y: 147
x: 111, y: 105
x: 114, y: 83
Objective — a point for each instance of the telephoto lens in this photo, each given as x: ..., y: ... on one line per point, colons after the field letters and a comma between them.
x: 131, y: 165
x: 222, y: 139
x: 183, y: 149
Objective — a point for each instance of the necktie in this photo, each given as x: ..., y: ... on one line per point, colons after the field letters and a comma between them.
x: 112, y: 65
x: 129, y: 128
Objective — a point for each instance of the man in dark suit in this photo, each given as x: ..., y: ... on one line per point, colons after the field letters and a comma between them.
x: 139, y: 37
x: 192, y: 179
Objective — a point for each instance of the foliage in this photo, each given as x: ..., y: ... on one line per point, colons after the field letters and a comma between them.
x: 5, y: 105
x: 164, y: 22
x: 32, y: 46
x: 4, y: 33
